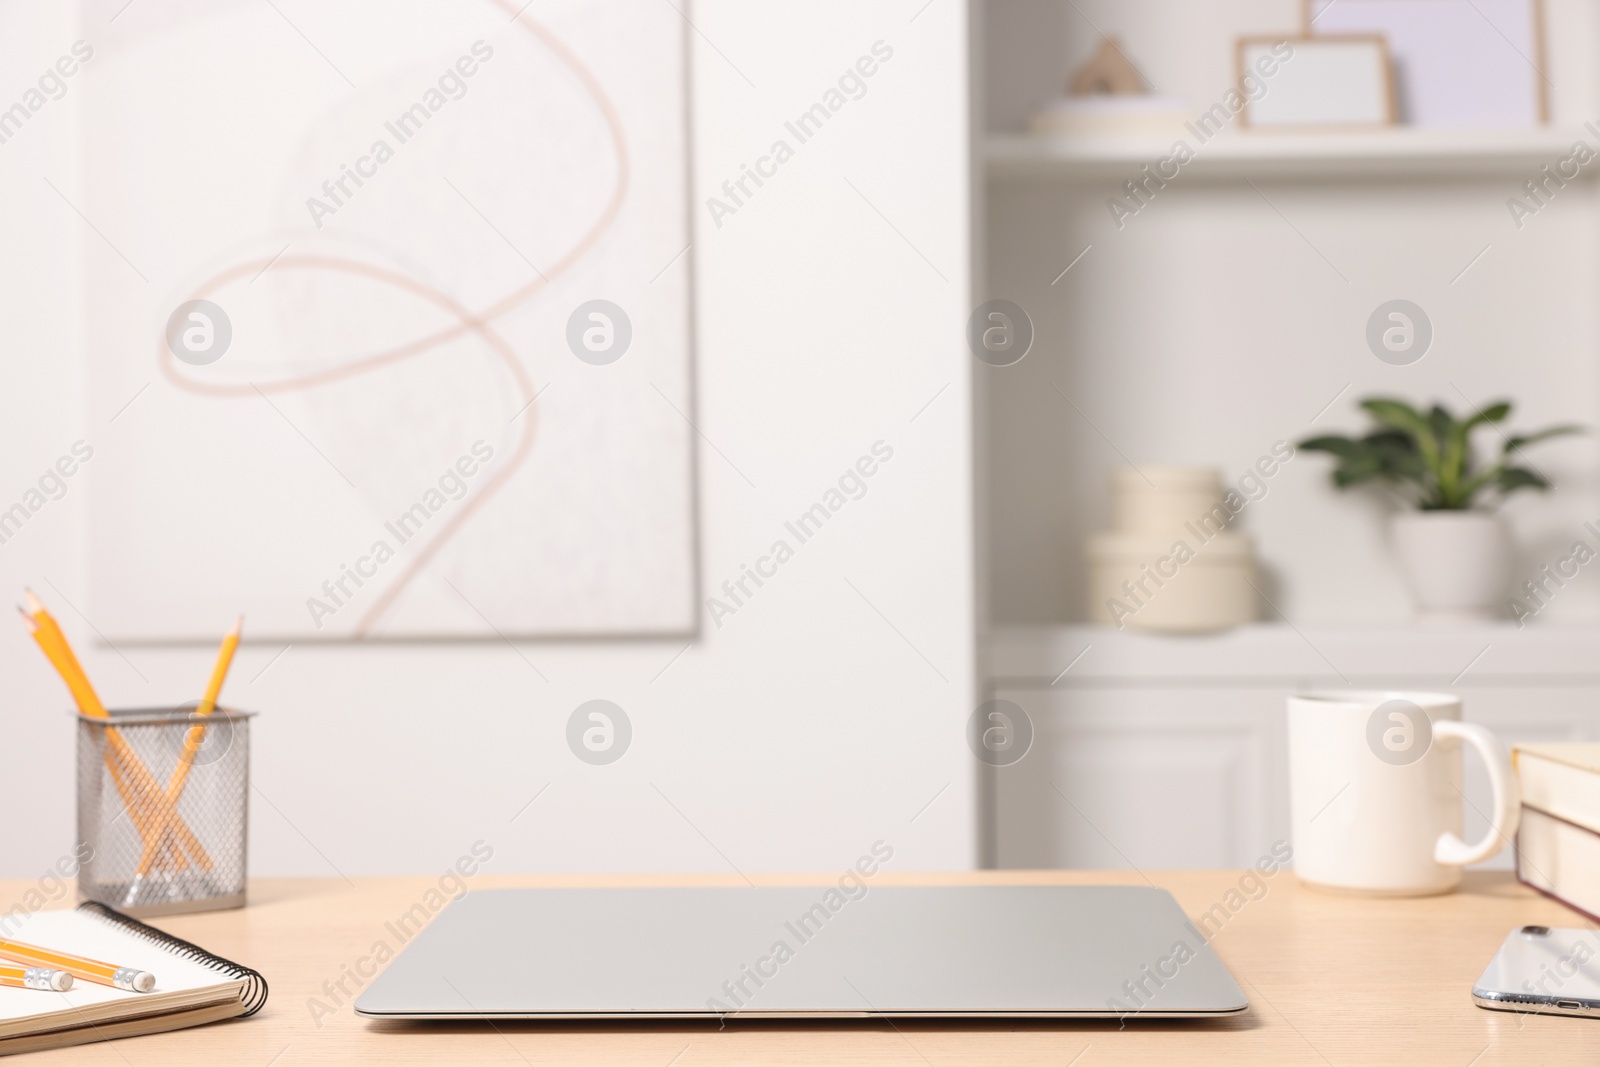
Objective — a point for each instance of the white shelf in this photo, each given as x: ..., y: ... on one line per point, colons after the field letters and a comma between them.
x: 1235, y: 155
x: 1277, y: 654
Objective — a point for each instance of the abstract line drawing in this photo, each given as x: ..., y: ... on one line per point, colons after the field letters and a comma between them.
x: 467, y: 362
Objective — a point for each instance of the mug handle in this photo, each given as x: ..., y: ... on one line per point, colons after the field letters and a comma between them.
x: 1450, y: 849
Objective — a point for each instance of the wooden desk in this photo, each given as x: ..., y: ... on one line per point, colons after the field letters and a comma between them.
x: 1331, y: 980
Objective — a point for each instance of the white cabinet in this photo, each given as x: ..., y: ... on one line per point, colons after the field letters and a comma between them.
x: 1170, y: 752
x: 1141, y: 777
x: 1225, y: 316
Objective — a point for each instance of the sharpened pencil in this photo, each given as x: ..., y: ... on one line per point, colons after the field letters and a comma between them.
x: 191, y: 744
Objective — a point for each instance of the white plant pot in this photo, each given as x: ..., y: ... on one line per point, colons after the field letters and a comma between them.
x: 1457, y: 563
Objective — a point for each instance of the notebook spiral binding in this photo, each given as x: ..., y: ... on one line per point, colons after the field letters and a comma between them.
x: 255, y: 994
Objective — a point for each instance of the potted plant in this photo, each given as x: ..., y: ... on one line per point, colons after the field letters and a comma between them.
x: 1453, y: 547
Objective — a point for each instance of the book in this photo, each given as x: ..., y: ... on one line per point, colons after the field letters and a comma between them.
x: 1560, y: 859
x: 192, y: 985
x: 1561, y: 779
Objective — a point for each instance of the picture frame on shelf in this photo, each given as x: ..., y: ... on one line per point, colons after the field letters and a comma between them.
x: 1457, y: 65
x: 1327, y: 83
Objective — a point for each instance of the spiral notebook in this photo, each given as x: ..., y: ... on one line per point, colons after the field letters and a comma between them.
x: 192, y: 985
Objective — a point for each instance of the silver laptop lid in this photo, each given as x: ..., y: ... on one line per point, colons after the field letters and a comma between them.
x: 807, y: 951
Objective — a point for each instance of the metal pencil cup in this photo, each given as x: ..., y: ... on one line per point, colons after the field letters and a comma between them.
x: 163, y: 806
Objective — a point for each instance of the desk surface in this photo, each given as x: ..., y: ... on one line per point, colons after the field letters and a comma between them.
x: 1331, y: 980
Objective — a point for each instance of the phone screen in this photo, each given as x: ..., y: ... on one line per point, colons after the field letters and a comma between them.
x: 1559, y: 966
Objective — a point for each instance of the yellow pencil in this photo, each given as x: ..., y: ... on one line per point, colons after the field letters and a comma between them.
x: 219, y: 671
x: 60, y: 653
x: 130, y: 978
x: 49, y: 641
x: 35, y: 978
x: 191, y: 745
x: 139, y: 788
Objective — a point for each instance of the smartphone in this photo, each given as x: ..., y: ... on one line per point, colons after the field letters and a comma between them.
x: 1545, y: 970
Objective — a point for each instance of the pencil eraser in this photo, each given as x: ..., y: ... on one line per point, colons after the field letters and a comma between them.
x: 46, y: 978
x: 133, y: 980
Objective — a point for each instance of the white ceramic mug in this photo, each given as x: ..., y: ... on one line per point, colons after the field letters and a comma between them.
x: 1375, y: 782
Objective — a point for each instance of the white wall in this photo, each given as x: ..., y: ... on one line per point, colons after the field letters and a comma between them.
x: 819, y: 718
x: 1212, y: 324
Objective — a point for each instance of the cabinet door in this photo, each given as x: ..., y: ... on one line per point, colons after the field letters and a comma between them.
x: 1143, y: 778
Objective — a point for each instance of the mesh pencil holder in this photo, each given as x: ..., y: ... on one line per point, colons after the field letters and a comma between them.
x: 163, y: 806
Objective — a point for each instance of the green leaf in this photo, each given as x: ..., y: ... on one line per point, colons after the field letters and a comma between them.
x: 1397, y: 413
x: 1441, y: 422
x: 1516, y: 441
x: 1402, y: 416
x: 1400, y: 457
x: 1356, y: 471
x: 1457, y: 484
x: 1338, y: 445
x: 1514, y: 478
x: 1475, y: 485
x: 1397, y: 438
x: 1427, y: 456
x: 1495, y: 412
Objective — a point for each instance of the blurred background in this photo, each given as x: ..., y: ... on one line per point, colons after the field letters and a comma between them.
x: 803, y: 382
